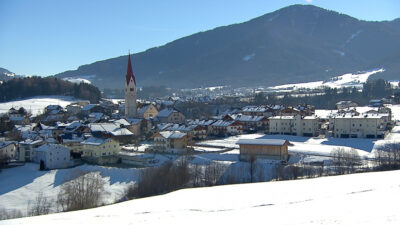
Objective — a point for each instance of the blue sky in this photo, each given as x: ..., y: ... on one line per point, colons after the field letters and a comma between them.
x: 44, y: 37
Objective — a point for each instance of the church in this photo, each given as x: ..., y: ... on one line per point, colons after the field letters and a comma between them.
x: 130, y: 92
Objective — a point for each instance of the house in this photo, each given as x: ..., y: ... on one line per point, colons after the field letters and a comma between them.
x: 170, y: 115
x: 97, y: 147
x: 112, y: 130
x: 26, y: 147
x: 171, y: 141
x: 225, y: 128
x: 50, y: 108
x: 251, y: 149
x: 349, y: 125
x: 197, y: 132
x: 345, y: 105
x: 92, y: 108
x: 203, y: 123
x: 8, y: 150
x: 73, y: 108
x: 52, y: 156
x: 295, y: 125
x: 147, y: 111
x: 252, y: 123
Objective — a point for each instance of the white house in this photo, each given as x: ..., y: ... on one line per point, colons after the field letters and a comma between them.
x: 8, y: 149
x: 52, y: 156
x: 351, y: 125
x: 294, y: 125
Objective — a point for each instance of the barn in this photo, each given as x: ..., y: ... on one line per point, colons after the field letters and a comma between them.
x: 263, y: 148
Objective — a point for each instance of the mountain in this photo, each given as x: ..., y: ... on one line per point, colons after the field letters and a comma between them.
x: 6, y: 75
x: 298, y: 43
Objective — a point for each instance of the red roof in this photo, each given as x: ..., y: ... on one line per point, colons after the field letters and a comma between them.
x: 129, y: 72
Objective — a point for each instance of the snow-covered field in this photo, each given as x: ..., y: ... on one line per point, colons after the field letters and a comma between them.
x: 19, y: 185
x: 37, y: 104
x: 345, y: 80
x: 367, y: 198
x: 308, y: 145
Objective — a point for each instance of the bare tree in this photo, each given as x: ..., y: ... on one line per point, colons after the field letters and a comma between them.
x: 9, y: 214
x: 212, y: 173
x: 345, y: 161
x: 82, y: 192
x: 40, y: 206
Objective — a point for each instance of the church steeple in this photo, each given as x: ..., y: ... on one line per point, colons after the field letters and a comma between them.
x: 129, y: 72
x: 130, y: 91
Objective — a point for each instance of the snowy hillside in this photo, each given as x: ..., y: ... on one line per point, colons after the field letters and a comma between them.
x: 367, y: 198
x: 28, y: 181
x: 36, y: 104
x: 345, y: 80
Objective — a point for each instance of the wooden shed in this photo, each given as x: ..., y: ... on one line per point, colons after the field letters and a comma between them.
x: 264, y: 148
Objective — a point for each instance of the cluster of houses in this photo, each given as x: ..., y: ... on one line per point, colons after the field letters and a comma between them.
x: 62, y: 137
x: 96, y: 132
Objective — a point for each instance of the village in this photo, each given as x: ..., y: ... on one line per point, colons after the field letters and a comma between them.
x: 134, y: 133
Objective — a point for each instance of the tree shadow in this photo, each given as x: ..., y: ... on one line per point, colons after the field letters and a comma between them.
x: 14, y: 178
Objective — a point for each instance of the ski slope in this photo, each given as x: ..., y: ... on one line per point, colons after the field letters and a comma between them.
x: 367, y: 198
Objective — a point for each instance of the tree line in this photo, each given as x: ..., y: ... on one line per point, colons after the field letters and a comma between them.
x: 35, y: 86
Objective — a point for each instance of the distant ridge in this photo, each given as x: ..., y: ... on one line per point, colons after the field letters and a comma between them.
x: 298, y: 43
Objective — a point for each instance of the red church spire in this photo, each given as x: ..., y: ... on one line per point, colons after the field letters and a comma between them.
x: 129, y: 72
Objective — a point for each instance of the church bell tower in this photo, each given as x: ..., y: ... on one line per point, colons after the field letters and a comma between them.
x: 130, y: 92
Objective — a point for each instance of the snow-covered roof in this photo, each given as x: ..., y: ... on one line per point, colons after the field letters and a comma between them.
x: 89, y: 107
x: 163, y: 126
x: 31, y: 142
x: 246, y: 118
x: 222, y: 123
x: 201, y: 122
x: 360, y: 116
x: 282, y: 117
x: 166, y: 112
x: 50, y: 147
x: 254, y: 109
x: 94, y: 141
x: 121, y: 132
x: 275, y: 142
x: 143, y: 109
x: 172, y: 134
x: 122, y: 122
x: 6, y: 143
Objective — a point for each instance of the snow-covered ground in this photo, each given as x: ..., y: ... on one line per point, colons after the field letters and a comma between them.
x: 36, y: 105
x: 304, y: 145
x: 367, y: 198
x: 345, y: 80
x: 20, y: 185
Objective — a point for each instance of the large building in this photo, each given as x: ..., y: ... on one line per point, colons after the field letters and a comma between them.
x: 130, y: 92
x: 350, y: 125
x: 295, y: 125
